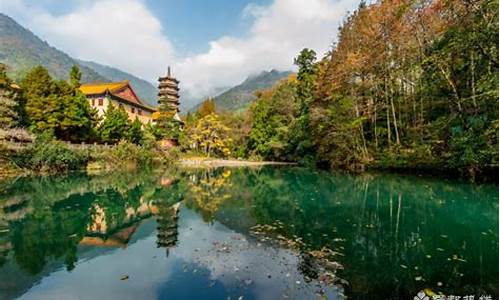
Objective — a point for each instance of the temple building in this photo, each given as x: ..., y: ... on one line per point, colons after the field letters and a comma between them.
x: 168, y: 94
x: 119, y: 94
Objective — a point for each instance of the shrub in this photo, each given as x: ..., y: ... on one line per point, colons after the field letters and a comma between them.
x: 51, y: 156
x: 124, y: 154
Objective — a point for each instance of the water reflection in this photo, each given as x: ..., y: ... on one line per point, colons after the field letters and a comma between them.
x: 291, y: 232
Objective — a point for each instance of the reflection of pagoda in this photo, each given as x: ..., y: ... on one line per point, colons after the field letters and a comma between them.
x: 167, y: 217
x: 168, y: 94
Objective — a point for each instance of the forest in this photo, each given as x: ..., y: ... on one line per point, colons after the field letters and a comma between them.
x: 408, y: 85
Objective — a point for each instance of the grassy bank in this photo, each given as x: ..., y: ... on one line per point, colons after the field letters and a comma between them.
x: 52, y: 156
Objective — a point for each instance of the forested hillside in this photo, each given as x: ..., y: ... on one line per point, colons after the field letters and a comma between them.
x: 410, y: 85
x: 21, y: 50
x: 240, y: 96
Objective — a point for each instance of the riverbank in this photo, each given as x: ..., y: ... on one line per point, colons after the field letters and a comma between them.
x: 201, y: 162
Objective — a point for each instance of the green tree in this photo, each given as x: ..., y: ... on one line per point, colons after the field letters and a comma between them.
x: 115, y: 126
x: 42, y: 103
x: 135, y: 134
x: 75, y: 76
x: 57, y: 107
x: 9, y: 107
x: 301, y: 139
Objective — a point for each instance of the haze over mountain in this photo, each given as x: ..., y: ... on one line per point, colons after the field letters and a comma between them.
x: 22, y: 50
x: 240, y: 96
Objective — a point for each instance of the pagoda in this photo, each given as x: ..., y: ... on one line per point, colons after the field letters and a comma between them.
x: 168, y: 94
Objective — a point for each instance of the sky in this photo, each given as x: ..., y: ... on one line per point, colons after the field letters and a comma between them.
x: 209, y: 43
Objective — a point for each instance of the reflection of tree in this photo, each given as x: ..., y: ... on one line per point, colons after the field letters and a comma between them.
x: 49, y: 233
x: 46, y: 218
x: 208, y: 190
x: 388, y: 227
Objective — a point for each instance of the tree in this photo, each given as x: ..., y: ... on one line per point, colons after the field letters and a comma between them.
x: 273, y: 118
x: 9, y: 116
x: 301, y: 140
x: 135, y: 134
x: 207, y: 107
x: 75, y: 76
x: 57, y: 107
x: 42, y: 103
x: 210, y: 136
x: 115, y: 126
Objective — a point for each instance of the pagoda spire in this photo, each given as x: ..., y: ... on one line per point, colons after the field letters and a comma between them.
x: 168, y: 91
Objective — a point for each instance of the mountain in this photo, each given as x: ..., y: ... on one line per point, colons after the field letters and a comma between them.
x: 22, y: 50
x: 146, y: 91
x: 240, y: 96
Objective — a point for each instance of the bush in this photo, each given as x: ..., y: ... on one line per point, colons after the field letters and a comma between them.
x: 51, y: 156
x: 124, y: 154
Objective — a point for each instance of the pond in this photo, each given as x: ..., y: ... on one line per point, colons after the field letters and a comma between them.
x: 246, y: 233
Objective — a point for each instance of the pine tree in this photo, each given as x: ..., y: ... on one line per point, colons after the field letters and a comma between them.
x: 75, y: 76
x: 135, y: 133
x: 115, y: 125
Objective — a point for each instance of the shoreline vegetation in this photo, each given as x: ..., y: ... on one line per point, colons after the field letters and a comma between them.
x: 408, y: 87
x: 204, y: 162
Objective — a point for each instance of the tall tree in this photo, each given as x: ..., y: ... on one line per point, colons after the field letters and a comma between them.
x: 9, y: 106
x: 115, y: 126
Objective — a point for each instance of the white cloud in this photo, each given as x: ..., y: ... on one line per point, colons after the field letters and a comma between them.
x: 124, y: 34
x: 119, y: 33
x: 279, y: 31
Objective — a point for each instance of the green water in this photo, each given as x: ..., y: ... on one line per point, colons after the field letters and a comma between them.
x: 181, y: 234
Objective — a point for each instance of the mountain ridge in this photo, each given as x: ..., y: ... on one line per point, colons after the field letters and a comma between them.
x: 21, y: 50
x: 240, y: 96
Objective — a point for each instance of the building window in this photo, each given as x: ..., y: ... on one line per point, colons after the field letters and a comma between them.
x: 132, y: 110
x: 139, y: 112
x: 100, y: 102
x: 93, y: 102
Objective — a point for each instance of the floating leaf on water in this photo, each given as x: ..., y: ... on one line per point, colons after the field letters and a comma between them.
x: 444, y: 236
x: 403, y: 266
x: 439, y: 283
x: 428, y: 256
x: 440, y: 249
x: 124, y: 277
x: 418, y: 278
x: 297, y: 282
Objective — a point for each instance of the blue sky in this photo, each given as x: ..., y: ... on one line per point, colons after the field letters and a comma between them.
x: 192, y: 24
x: 209, y: 43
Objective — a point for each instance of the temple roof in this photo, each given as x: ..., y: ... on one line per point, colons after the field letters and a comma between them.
x: 102, y: 87
x: 121, y: 91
